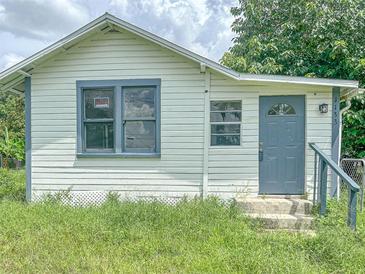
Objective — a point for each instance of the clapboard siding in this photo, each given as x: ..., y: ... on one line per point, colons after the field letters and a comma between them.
x: 232, y: 171
x: 118, y: 56
x: 239, y: 166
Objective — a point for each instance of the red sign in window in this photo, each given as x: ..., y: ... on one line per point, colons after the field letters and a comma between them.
x: 101, y: 102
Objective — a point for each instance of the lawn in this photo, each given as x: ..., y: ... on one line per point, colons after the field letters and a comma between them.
x: 192, y: 237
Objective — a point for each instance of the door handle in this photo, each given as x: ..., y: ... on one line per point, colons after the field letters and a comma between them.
x: 261, y: 151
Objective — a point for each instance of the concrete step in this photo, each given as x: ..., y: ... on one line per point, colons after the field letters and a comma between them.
x: 262, y: 205
x: 297, y: 222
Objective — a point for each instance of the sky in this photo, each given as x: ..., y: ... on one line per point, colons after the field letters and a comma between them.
x: 27, y: 26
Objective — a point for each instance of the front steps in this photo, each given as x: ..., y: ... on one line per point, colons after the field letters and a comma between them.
x: 279, y: 213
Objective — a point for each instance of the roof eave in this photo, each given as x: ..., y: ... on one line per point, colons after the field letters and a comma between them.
x: 59, y: 44
x: 108, y: 18
x: 300, y: 80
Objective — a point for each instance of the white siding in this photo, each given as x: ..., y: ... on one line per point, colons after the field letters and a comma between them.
x: 118, y: 56
x: 231, y: 171
x: 234, y: 171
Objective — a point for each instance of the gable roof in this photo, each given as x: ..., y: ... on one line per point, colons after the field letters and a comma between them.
x: 13, y: 75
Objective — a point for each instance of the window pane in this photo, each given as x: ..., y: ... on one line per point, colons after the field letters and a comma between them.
x: 281, y: 109
x: 225, y: 140
x: 140, y: 136
x: 225, y: 105
x: 99, y: 103
x: 225, y: 116
x: 222, y: 129
x: 139, y: 102
x: 99, y: 135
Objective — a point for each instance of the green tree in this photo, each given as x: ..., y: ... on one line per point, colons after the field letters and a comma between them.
x: 354, y: 129
x: 312, y: 38
x: 12, y: 126
x: 11, y: 148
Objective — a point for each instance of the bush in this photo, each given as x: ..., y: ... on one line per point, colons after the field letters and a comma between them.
x: 12, y: 185
x: 11, y: 147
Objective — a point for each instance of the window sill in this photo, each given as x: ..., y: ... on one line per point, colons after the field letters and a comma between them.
x: 226, y: 147
x: 117, y: 155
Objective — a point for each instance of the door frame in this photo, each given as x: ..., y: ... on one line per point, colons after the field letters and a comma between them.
x: 304, y: 145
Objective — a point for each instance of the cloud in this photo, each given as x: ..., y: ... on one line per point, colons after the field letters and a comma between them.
x: 41, y: 19
x: 202, y: 26
x: 27, y: 26
x: 10, y: 59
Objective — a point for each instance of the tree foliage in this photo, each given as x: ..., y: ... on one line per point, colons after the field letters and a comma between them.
x: 12, y: 126
x: 312, y: 38
x: 354, y: 129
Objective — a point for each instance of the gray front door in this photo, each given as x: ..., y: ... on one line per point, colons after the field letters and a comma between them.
x: 281, y: 147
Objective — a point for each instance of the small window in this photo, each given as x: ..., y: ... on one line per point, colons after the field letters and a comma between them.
x: 98, y: 119
x: 225, y: 120
x: 281, y: 109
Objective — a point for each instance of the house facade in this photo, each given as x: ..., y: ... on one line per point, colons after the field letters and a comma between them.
x: 113, y: 108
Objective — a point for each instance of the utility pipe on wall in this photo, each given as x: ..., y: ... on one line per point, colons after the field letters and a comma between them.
x: 342, y: 111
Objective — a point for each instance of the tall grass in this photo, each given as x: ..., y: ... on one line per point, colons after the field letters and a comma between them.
x: 192, y: 237
x: 12, y: 184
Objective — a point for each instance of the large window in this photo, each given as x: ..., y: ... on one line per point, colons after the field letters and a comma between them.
x: 225, y: 123
x: 119, y: 117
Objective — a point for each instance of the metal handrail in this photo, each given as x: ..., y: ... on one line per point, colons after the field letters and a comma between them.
x: 351, y: 183
x: 324, y: 162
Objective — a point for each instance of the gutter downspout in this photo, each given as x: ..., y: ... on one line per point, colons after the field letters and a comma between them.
x: 205, y: 191
x: 342, y: 111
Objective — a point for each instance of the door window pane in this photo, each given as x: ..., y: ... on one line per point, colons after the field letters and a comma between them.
x: 99, y: 103
x: 140, y: 136
x: 281, y: 109
x: 99, y: 135
x: 139, y: 102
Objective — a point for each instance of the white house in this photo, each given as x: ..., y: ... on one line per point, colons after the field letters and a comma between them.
x: 112, y: 107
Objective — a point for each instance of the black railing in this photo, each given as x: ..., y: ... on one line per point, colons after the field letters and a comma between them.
x: 324, y: 162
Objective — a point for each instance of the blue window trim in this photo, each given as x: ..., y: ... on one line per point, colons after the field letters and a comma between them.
x: 117, y: 85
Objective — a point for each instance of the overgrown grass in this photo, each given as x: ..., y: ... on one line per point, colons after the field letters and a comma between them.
x: 195, y: 236
x: 12, y: 184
